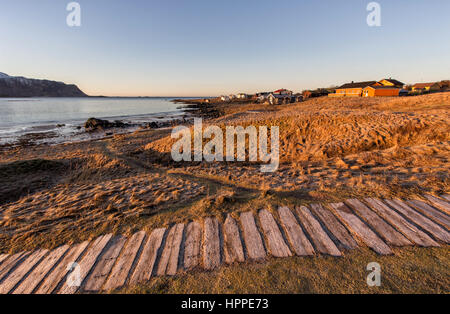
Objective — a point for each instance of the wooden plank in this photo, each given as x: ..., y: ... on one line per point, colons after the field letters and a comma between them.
x: 38, y: 274
x: 122, y: 269
x: 233, y: 249
x: 384, y: 230
x: 294, y: 233
x: 59, y: 273
x: 361, y: 229
x: 446, y: 197
x: 87, y: 262
x: 211, y: 244
x: 11, y: 263
x: 319, y: 237
x: 276, y: 244
x: 21, y: 272
x: 337, y: 231
x: 3, y: 257
x: 436, y: 231
x: 408, y: 229
x: 168, y: 264
x: 439, y: 203
x: 150, y: 253
x: 192, y: 245
x: 106, y: 261
x: 252, y: 237
x: 432, y: 213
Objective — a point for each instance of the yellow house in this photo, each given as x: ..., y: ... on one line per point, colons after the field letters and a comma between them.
x: 353, y: 89
x: 381, y: 91
x: 384, y: 87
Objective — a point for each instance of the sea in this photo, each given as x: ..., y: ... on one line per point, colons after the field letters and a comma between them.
x: 59, y: 120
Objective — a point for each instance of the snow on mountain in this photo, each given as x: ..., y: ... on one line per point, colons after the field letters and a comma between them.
x: 3, y: 75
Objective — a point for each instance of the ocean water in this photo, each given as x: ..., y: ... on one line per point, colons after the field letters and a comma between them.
x: 59, y: 119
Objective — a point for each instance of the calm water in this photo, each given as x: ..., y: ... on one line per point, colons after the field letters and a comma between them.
x: 22, y: 116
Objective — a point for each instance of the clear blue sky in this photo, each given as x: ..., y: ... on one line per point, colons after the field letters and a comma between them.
x: 213, y: 47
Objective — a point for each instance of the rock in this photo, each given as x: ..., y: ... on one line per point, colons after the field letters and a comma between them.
x: 93, y: 124
x: 152, y: 125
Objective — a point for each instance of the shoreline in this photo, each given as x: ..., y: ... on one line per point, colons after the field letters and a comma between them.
x: 67, y: 131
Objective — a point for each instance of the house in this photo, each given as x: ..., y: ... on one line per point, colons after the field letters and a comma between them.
x: 297, y: 98
x: 353, y: 89
x: 283, y: 92
x: 225, y: 98
x: 425, y: 87
x: 275, y: 99
x: 391, y: 83
x: 316, y: 93
x: 242, y: 96
x: 444, y: 85
x: 381, y: 91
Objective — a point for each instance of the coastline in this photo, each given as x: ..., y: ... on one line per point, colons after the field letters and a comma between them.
x: 69, y: 131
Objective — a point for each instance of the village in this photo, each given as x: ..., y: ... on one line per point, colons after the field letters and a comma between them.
x: 383, y: 88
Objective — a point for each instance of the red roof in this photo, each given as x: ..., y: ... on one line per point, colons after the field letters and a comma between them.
x: 280, y: 90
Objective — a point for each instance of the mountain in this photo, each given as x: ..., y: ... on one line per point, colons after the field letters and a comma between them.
x: 17, y: 86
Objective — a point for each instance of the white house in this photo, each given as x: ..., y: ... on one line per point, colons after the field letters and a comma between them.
x: 274, y: 99
x: 225, y: 98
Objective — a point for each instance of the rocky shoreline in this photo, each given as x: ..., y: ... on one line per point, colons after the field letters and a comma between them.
x: 93, y: 129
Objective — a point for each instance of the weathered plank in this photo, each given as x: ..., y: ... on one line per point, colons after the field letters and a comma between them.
x: 38, y: 274
x: 252, y: 237
x: 360, y: 228
x: 104, y: 265
x: 87, y: 263
x: 294, y: 233
x: 430, y: 212
x: 420, y: 220
x: 446, y: 197
x: 169, y: 261
x: 123, y: 267
x: 412, y: 232
x: 146, y: 264
x: 192, y: 245
x: 321, y: 240
x: 59, y: 273
x: 385, y: 231
x: 233, y: 249
x: 275, y: 242
x: 3, y: 257
x: 440, y: 203
x: 20, y: 273
x: 211, y: 244
x: 11, y: 263
x: 342, y: 237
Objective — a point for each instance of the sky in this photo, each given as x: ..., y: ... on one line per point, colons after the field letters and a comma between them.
x: 215, y: 47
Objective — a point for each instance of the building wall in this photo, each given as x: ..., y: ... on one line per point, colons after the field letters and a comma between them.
x: 382, y: 92
x: 349, y: 92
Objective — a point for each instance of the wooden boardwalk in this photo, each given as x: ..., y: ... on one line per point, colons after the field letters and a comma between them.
x: 110, y: 262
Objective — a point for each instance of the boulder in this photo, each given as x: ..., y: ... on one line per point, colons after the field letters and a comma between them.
x: 93, y: 124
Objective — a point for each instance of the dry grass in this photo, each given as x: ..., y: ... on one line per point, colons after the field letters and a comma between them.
x: 411, y: 270
x: 331, y: 149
